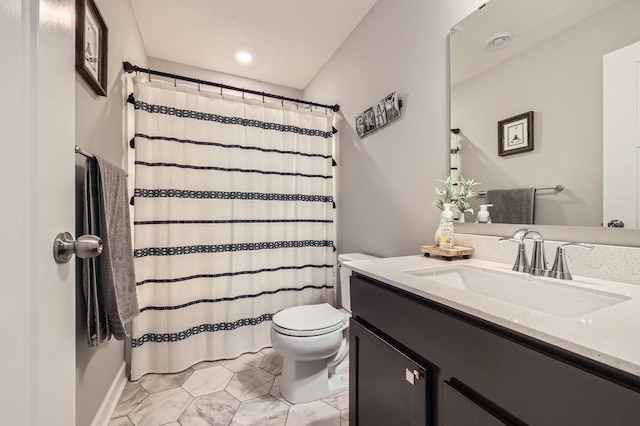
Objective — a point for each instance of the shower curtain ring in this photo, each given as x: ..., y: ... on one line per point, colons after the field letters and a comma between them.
x: 243, y: 93
x: 149, y: 76
x: 198, y: 85
x: 174, y: 80
x: 262, y: 97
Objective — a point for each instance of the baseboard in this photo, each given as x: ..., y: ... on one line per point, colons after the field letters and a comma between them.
x: 108, y: 406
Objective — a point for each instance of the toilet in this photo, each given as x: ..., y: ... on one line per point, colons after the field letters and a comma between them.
x: 313, y: 342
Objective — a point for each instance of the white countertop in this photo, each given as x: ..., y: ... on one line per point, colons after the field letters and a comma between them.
x: 610, y: 335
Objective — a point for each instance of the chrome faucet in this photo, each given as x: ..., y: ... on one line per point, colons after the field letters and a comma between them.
x: 560, y: 269
x: 538, y: 266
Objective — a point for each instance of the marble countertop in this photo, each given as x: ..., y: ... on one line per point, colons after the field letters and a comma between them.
x: 610, y: 335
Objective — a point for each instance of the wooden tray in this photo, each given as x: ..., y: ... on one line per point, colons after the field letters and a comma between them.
x: 456, y: 251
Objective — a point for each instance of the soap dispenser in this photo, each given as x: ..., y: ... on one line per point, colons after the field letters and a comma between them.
x: 446, y: 227
x: 483, y: 214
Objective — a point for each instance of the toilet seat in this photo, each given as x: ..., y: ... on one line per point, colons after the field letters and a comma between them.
x: 309, y: 320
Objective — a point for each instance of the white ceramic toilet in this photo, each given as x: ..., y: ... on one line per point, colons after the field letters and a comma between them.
x: 313, y: 342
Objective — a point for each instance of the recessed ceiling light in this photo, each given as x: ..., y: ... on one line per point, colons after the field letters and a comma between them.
x: 498, y: 41
x: 244, y: 57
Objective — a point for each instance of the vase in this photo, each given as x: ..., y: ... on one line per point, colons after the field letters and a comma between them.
x: 461, y: 218
x: 436, y: 236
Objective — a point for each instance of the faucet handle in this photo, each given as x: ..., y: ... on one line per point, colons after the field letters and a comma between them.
x: 583, y: 245
x: 560, y: 268
x: 521, y: 264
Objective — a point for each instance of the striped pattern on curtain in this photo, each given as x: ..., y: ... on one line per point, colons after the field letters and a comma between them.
x: 233, y: 221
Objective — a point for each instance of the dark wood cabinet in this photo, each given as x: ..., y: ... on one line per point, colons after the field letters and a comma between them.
x: 474, y: 369
x: 391, y: 388
x: 460, y: 410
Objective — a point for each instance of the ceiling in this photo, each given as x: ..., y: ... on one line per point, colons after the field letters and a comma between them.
x: 529, y: 22
x: 290, y: 40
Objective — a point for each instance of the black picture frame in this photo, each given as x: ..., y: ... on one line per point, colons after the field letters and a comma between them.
x: 92, y: 36
x: 515, y: 134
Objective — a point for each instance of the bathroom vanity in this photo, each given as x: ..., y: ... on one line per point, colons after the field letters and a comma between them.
x: 425, y: 351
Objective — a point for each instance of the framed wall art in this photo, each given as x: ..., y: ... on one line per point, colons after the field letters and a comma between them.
x: 92, y: 37
x: 382, y: 113
x: 515, y: 134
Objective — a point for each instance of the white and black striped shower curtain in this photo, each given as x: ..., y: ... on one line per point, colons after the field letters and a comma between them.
x: 233, y: 221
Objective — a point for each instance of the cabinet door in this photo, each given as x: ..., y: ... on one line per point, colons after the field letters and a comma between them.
x: 386, y: 387
x: 458, y: 410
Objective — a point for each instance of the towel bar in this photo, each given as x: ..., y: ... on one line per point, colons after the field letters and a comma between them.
x: 556, y: 188
x: 83, y: 153
x: 86, y: 154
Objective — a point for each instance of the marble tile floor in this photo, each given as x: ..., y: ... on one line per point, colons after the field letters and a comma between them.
x: 240, y: 392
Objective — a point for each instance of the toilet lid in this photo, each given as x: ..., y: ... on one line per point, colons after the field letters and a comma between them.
x: 308, y: 320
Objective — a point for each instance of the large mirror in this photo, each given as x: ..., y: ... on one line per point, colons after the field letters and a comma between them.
x: 511, y: 57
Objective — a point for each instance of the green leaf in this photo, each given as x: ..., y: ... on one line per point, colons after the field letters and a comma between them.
x: 457, y: 198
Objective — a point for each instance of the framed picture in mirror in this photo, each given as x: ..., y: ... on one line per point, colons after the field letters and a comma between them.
x: 91, y: 46
x: 515, y: 134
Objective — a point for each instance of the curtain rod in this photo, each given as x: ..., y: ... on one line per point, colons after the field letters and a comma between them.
x: 129, y: 68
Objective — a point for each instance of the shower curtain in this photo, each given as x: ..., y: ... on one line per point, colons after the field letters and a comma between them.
x: 233, y: 221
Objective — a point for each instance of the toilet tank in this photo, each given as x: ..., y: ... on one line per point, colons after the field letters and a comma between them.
x: 344, y: 275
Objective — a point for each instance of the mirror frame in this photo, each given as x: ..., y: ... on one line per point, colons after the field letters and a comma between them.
x: 580, y: 234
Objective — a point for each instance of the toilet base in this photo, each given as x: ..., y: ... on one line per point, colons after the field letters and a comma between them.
x: 306, y: 381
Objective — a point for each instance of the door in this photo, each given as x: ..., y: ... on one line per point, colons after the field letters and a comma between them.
x: 37, y: 368
x: 386, y: 387
x: 621, y: 136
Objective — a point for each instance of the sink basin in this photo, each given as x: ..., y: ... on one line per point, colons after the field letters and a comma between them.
x: 545, y: 295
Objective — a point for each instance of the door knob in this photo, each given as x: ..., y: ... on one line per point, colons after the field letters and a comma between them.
x: 85, y: 247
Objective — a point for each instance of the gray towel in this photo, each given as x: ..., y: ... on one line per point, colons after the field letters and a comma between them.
x: 512, y: 205
x: 97, y: 323
x: 113, y: 277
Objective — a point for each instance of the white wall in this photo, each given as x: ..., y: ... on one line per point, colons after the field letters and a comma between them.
x: 565, y: 92
x: 385, y: 187
x: 100, y: 130
x: 219, y: 77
